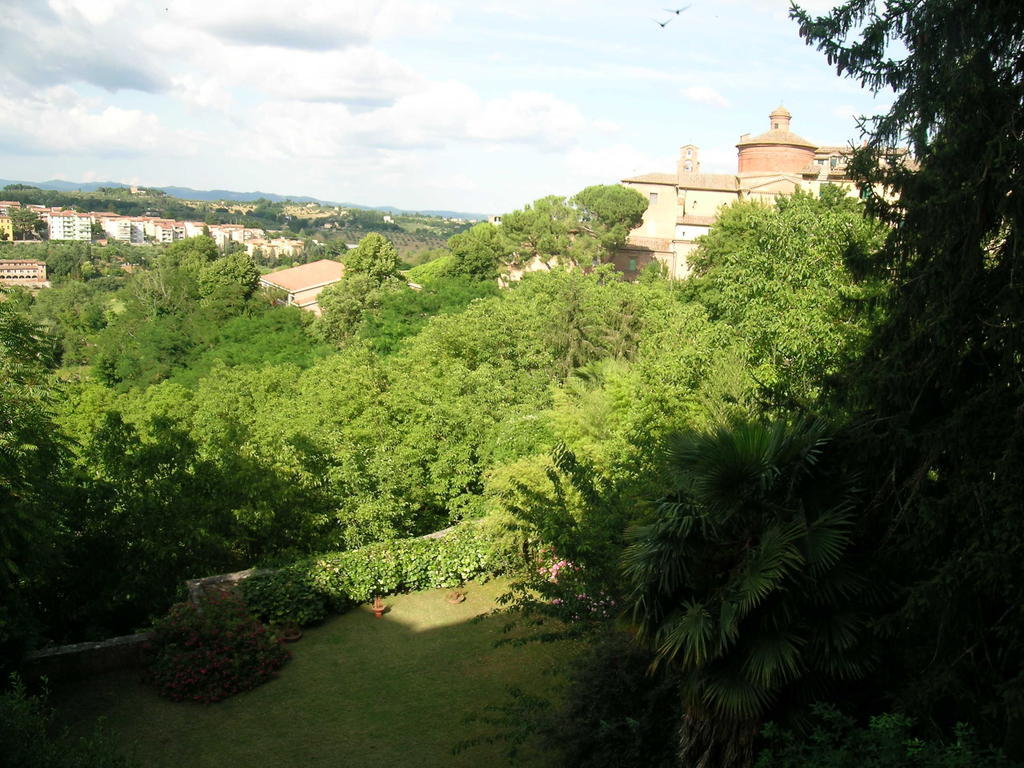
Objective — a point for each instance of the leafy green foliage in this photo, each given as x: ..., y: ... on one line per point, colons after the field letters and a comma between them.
x: 343, y: 305
x: 234, y: 276
x: 210, y: 652
x: 27, y: 733
x: 436, y: 268
x: 374, y: 257
x: 613, y: 711
x: 404, y: 312
x: 938, y: 391
x: 744, y: 580
x: 404, y: 565
x: 581, y: 230
x: 283, y: 601
x: 888, y: 741
x: 783, y: 277
x: 478, y: 252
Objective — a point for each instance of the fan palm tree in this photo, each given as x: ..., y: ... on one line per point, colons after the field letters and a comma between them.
x: 743, y: 580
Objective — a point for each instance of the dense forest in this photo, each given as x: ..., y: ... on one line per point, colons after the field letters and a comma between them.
x: 779, y: 502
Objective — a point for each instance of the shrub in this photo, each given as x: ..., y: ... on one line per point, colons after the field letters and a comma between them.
x: 612, y: 712
x: 26, y: 740
x: 288, y: 599
x: 615, y: 710
x: 887, y: 742
x: 211, y: 652
x: 346, y: 578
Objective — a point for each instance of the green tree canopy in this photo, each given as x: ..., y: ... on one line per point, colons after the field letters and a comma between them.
x: 584, y: 229
x: 784, y: 277
x: 478, y: 252
x: 374, y: 257
x: 939, y: 392
x: 232, y: 275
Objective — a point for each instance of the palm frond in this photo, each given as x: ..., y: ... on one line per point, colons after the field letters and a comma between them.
x: 773, y: 659
x: 686, y: 636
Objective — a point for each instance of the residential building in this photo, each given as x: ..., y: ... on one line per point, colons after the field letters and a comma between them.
x: 6, y: 228
x: 193, y: 228
x: 69, y: 225
x: 123, y: 229
x: 30, y: 273
x: 167, y: 231
x: 683, y: 205
x: 278, y: 248
x: 6, y: 205
x: 303, y: 284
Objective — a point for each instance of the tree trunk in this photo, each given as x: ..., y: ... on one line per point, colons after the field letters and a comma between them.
x: 716, y: 743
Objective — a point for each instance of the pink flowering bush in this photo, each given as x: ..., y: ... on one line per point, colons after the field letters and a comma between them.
x: 211, y: 653
x: 550, y: 572
x: 569, y: 596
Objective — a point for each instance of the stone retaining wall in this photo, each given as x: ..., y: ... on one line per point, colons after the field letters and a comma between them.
x: 68, y: 662
x: 82, y: 659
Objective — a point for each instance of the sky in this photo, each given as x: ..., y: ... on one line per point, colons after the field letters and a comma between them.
x: 466, y: 105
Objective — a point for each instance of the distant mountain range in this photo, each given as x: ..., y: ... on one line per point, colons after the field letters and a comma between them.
x: 213, y: 195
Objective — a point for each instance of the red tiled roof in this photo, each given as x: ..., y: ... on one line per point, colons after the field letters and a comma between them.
x: 649, y: 243
x: 653, y: 178
x: 722, y: 182
x: 777, y: 136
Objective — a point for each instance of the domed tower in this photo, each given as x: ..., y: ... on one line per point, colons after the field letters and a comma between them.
x: 778, y: 150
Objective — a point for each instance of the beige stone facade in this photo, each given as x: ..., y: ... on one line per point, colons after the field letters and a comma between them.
x: 29, y: 273
x: 683, y: 205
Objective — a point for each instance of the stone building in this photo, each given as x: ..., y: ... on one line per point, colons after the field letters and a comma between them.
x: 683, y: 205
x: 28, y: 273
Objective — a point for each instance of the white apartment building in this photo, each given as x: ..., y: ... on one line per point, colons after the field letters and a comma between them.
x: 167, y: 231
x: 193, y: 228
x: 123, y: 229
x: 69, y: 225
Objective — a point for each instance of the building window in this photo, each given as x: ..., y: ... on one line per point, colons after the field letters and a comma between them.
x: 775, y: 126
x: 833, y: 161
x: 632, y: 265
x: 689, y: 153
x: 654, y: 198
x: 688, y: 167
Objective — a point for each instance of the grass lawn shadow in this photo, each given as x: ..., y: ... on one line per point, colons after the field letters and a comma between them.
x: 359, y: 691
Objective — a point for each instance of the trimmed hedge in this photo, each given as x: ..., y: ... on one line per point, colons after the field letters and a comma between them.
x: 343, y: 579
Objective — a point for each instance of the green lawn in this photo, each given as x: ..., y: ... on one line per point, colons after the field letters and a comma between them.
x: 358, y: 692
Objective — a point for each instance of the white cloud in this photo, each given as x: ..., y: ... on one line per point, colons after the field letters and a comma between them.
x: 529, y: 117
x: 718, y: 159
x: 67, y: 42
x: 313, y: 25
x: 57, y: 120
x: 609, y: 164
x: 438, y: 115
x: 356, y: 75
x: 607, y: 127
x: 705, y: 95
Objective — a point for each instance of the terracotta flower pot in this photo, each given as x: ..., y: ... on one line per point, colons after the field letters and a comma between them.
x: 378, y: 607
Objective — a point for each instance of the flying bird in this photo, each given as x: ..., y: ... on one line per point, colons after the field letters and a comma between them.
x: 661, y: 23
x: 675, y: 11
